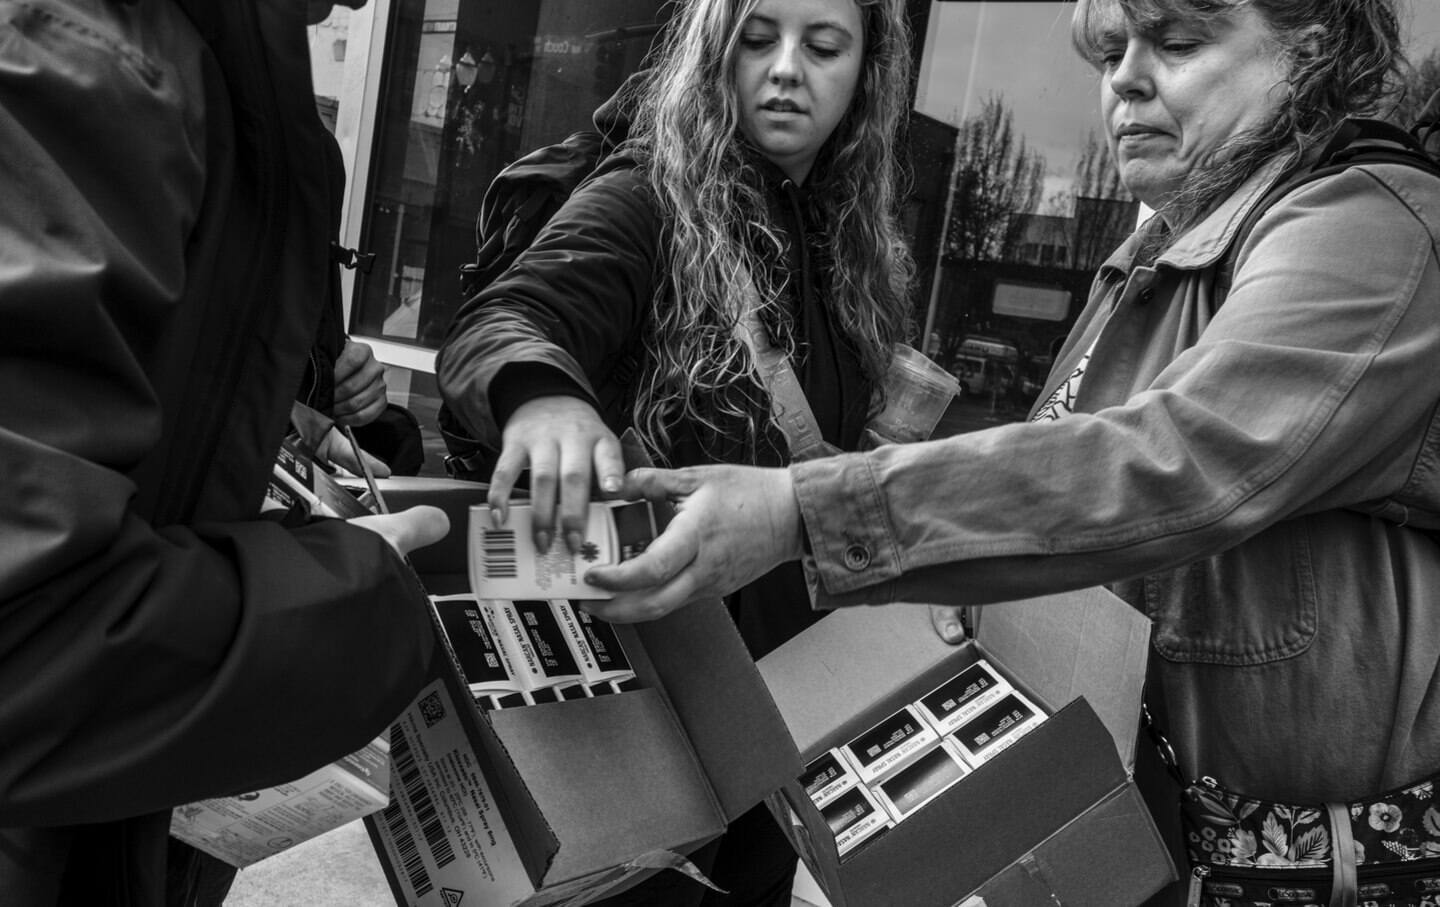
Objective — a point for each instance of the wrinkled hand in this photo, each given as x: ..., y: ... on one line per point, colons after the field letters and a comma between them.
x: 408, y: 529
x: 359, y: 385
x: 733, y: 524
x: 948, y: 623
x: 564, y: 442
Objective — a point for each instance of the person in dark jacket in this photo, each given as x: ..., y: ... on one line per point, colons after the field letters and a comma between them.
x: 757, y: 185
x: 167, y: 194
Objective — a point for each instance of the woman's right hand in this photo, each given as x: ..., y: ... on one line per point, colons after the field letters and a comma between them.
x: 564, y: 442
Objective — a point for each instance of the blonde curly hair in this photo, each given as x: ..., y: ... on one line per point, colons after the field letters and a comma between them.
x: 686, y: 133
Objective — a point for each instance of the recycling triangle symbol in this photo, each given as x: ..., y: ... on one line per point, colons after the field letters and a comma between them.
x: 451, y: 896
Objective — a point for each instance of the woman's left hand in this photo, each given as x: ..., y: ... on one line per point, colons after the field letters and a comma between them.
x: 732, y: 525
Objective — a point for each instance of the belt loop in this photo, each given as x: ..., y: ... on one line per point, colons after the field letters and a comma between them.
x: 1344, y: 889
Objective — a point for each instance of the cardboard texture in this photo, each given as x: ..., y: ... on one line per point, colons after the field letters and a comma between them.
x: 1054, y: 818
x: 533, y: 806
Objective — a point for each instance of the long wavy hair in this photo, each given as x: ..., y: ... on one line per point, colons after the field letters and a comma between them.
x: 718, y: 230
x: 1343, y: 59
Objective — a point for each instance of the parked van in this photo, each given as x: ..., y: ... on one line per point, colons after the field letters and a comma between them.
x: 986, y: 365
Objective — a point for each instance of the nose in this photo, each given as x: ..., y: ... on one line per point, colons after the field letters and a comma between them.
x: 785, y: 68
x: 1131, y: 77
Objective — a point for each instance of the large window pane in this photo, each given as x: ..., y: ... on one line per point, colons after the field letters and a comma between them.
x: 1034, y: 203
x: 469, y: 87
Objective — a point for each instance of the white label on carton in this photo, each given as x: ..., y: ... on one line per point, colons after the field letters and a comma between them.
x: 545, y: 637
x: 827, y: 777
x: 247, y: 828
x: 962, y: 697
x: 593, y: 644
x: 889, y: 744
x: 854, y: 818
x: 530, y: 634
x: 924, y: 779
x: 996, y: 728
x: 442, y: 835
x: 504, y: 563
x: 484, y: 663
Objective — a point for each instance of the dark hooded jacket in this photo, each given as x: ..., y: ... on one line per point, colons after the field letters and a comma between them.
x: 168, y: 190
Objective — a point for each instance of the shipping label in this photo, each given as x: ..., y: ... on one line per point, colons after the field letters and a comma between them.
x: 442, y: 834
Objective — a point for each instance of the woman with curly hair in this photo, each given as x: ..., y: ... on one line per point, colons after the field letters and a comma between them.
x: 757, y: 187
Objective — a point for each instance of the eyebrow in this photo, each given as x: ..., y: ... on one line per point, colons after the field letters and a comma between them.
x: 818, y: 25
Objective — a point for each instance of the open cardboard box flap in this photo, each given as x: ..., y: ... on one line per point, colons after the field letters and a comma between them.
x: 662, y: 768
x: 616, y: 763
x: 704, y: 669
x: 1087, y: 643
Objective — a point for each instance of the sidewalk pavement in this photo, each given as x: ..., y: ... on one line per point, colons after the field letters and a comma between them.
x: 339, y: 869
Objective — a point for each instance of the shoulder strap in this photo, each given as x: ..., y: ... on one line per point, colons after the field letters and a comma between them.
x: 1356, y: 142
x: 788, y: 404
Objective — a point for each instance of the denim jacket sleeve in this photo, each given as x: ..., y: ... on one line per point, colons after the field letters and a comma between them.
x: 1310, y: 389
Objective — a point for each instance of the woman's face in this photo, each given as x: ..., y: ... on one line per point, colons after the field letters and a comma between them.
x: 1172, y: 96
x: 796, y: 70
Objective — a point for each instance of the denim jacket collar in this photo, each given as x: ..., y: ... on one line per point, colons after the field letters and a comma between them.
x: 1203, y: 244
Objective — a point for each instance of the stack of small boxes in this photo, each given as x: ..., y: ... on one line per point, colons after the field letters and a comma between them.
x: 901, y: 763
x: 517, y: 653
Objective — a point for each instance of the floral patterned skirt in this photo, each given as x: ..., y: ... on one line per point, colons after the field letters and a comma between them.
x: 1247, y: 852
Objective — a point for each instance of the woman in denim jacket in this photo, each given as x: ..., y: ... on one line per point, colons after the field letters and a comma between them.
x: 1257, y: 476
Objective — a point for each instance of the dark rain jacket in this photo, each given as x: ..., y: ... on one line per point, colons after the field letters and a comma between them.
x: 163, y: 260
x: 569, y: 315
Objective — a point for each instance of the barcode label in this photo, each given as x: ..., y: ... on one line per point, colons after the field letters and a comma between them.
x: 497, y: 552
x: 438, y: 785
x: 406, y: 849
x: 419, y: 796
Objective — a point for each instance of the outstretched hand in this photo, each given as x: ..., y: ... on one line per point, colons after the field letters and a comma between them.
x: 408, y: 529
x: 563, y: 442
x: 733, y: 524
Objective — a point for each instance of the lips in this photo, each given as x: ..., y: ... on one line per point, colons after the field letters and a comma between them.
x: 1131, y: 130
x: 781, y: 105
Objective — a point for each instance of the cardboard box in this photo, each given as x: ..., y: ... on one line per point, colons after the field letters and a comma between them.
x: 1053, y: 818
x: 580, y: 797
x: 245, y: 829
x: 539, y: 804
